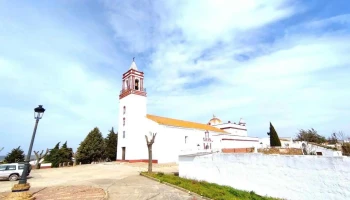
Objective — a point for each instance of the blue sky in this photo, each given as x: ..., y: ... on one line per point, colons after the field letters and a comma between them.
x: 282, y: 61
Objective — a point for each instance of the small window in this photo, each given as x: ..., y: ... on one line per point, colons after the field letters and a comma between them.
x: 123, y: 134
x: 185, y: 139
x: 3, y: 168
x: 20, y: 166
x: 11, y: 167
x: 123, y: 121
x: 124, y: 109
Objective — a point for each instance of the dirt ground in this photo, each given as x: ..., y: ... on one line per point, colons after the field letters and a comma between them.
x: 97, y: 181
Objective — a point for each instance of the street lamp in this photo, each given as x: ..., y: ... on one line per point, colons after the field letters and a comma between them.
x: 20, y: 190
x: 38, y: 114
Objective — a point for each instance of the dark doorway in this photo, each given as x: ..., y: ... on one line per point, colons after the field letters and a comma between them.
x: 319, y: 153
x: 123, y: 153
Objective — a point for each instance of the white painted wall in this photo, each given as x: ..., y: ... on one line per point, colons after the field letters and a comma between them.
x: 235, y: 141
x: 290, y: 177
x: 234, y: 129
x: 299, y: 144
x: 135, y: 123
x: 324, y: 151
x: 284, y: 144
x: 170, y: 141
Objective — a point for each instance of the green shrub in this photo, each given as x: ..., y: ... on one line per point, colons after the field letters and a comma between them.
x: 160, y: 174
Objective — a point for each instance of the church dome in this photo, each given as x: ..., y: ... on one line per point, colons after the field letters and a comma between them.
x: 215, y: 121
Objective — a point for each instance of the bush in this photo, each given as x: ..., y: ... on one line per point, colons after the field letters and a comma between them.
x: 346, y: 149
x: 160, y: 174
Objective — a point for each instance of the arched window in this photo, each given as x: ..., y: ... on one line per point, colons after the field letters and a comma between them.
x: 206, y: 134
x: 124, y: 109
x: 123, y: 121
x: 137, y: 84
x: 123, y: 134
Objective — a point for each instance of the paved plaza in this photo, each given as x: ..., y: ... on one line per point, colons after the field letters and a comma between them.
x: 99, y: 181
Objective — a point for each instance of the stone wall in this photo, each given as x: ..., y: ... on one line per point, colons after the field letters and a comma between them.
x: 283, y: 176
x: 282, y: 151
x: 237, y: 150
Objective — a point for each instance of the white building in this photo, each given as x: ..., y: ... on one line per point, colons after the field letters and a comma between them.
x: 308, y: 148
x: 173, y: 135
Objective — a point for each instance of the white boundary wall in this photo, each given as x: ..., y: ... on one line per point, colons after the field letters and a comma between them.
x: 289, y: 177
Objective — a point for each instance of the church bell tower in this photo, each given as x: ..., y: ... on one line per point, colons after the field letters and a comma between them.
x: 132, y: 82
x: 132, y: 113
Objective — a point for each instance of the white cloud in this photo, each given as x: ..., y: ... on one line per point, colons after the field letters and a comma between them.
x: 276, y: 83
x: 201, y: 58
x: 64, y: 66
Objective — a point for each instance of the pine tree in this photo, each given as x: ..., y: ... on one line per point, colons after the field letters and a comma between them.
x: 16, y: 155
x: 111, y: 145
x: 59, y: 155
x: 54, y: 157
x: 66, y: 153
x: 92, y: 149
x: 274, y: 139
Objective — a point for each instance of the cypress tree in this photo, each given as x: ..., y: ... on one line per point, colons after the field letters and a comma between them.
x: 92, y: 149
x: 274, y: 139
x: 111, y: 145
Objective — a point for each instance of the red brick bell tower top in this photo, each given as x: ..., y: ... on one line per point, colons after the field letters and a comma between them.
x: 132, y: 82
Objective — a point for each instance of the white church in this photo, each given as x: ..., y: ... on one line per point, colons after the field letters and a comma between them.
x: 174, y: 136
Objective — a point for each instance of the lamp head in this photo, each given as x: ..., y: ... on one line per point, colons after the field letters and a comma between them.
x: 39, y: 112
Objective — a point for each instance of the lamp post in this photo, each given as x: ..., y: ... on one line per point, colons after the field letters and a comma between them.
x: 20, y: 190
x: 38, y: 114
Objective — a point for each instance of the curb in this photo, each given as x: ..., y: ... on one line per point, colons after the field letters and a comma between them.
x: 176, y: 187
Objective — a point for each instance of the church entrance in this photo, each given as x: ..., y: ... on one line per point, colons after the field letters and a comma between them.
x: 123, y: 153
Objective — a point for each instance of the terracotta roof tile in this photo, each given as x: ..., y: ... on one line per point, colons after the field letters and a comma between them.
x: 182, y: 123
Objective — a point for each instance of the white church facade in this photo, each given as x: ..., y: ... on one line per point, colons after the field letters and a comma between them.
x: 174, y: 136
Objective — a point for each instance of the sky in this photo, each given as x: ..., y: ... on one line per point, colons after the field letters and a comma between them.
x: 280, y: 61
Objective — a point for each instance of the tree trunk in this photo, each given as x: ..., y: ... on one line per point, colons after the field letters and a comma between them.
x: 149, y: 158
x: 37, y: 165
x: 149, y: 146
